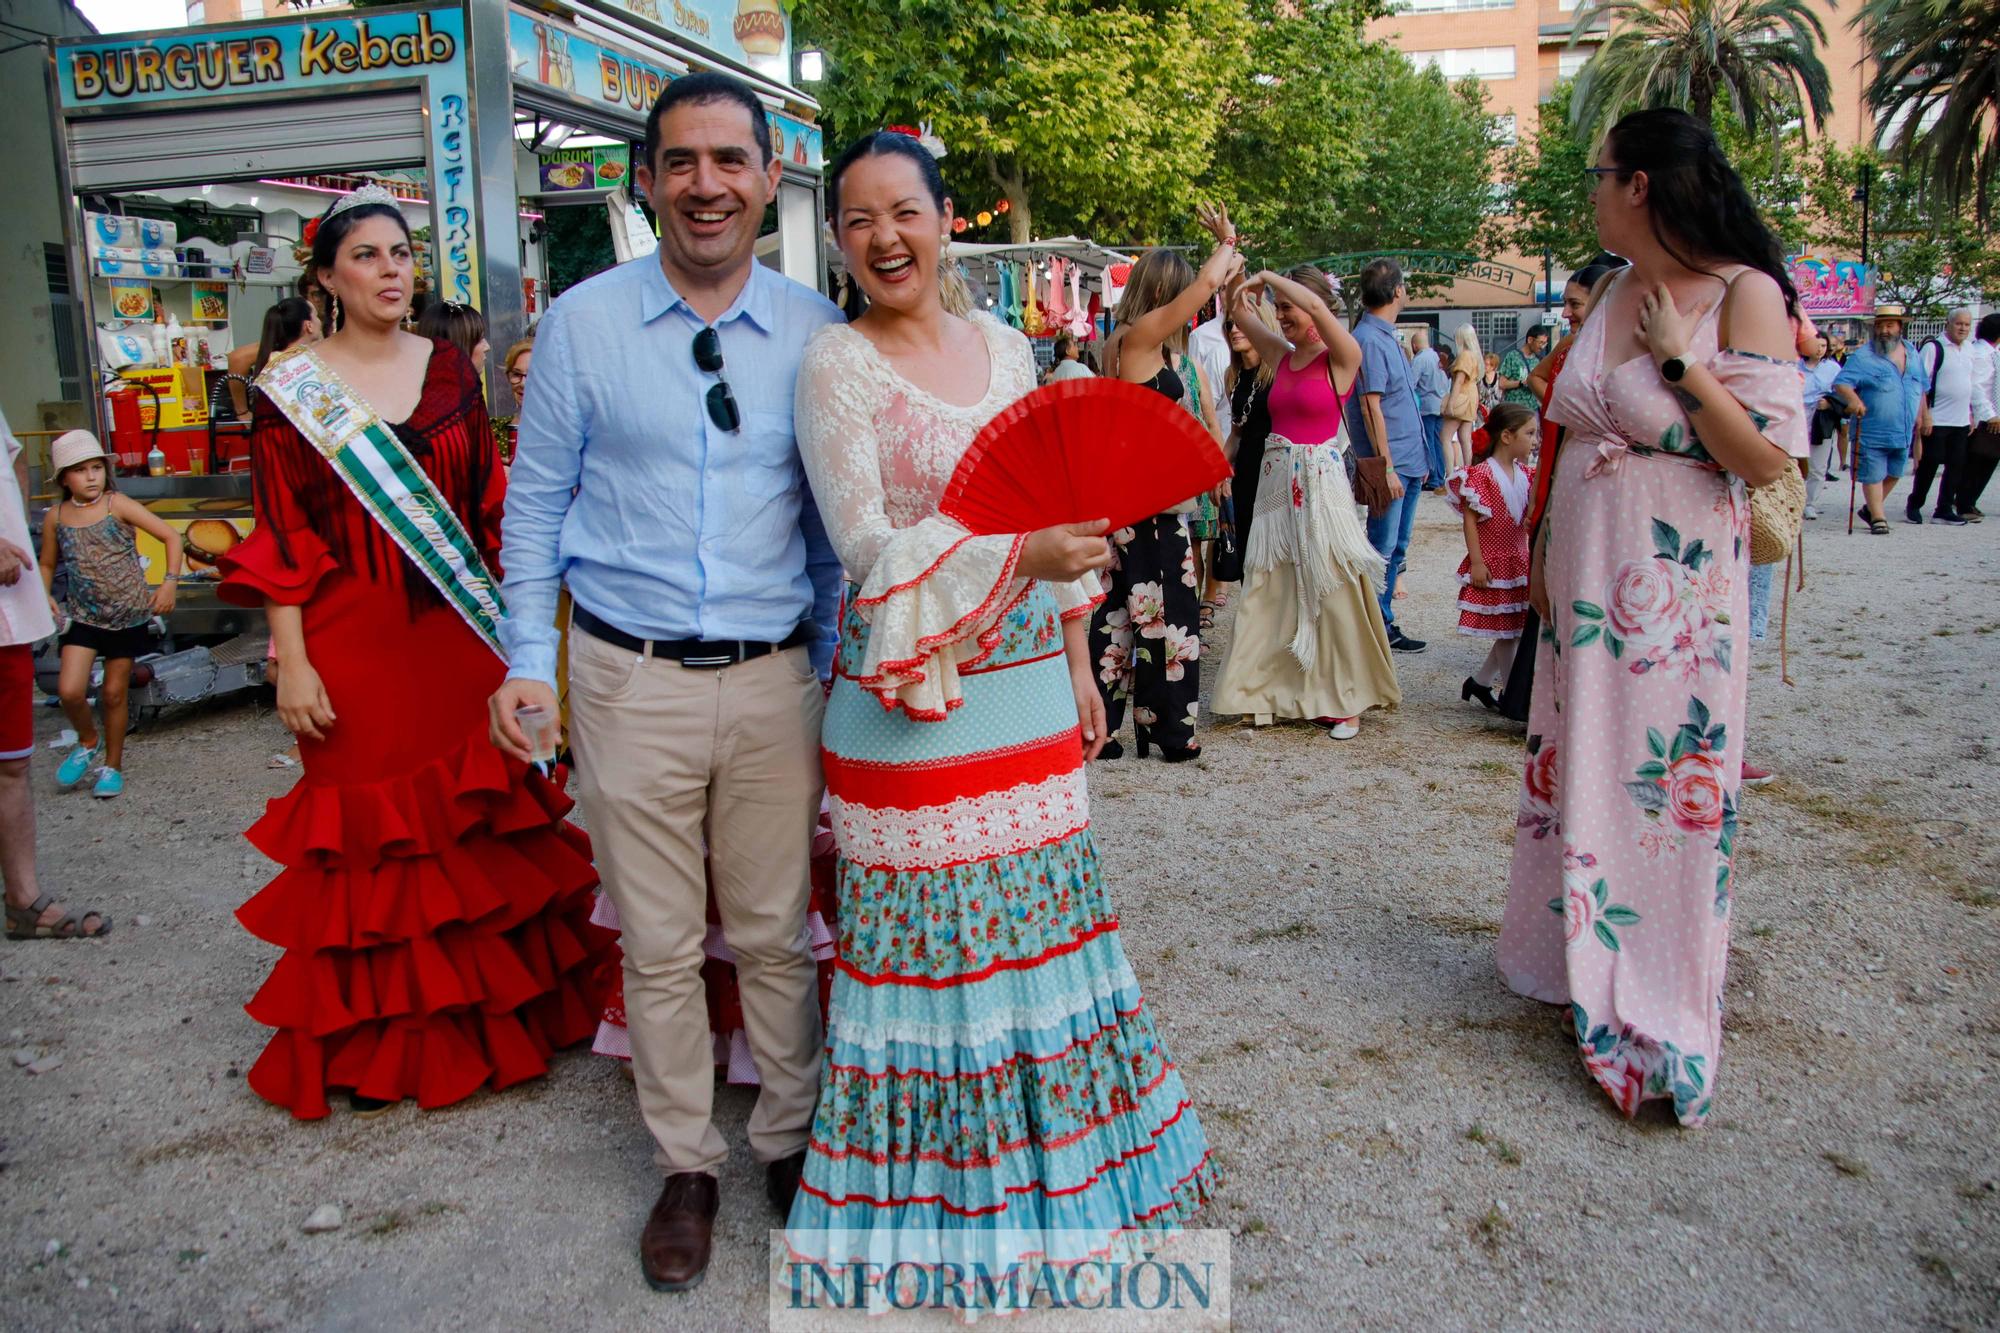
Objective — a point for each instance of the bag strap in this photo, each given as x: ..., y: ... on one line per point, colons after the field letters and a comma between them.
x: 1930, y: 394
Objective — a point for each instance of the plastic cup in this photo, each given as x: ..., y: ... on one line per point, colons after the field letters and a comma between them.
x: 538, y: 721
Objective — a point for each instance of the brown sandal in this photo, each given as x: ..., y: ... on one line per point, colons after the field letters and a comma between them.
x: 25, y: 923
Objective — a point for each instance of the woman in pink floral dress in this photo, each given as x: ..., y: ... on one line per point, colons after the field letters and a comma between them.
x: 1680, y: 389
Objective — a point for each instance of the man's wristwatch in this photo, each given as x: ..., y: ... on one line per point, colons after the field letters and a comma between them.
x: 1673, y: 368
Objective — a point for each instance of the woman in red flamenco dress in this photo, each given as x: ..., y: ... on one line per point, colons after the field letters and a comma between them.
x: 434, y: 906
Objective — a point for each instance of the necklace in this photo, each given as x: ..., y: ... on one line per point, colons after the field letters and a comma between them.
x: 90, y: 504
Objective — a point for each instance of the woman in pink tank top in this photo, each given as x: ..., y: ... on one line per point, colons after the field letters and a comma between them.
x: 1309, y: 641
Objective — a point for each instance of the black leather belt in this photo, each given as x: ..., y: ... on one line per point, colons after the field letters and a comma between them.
x: 701, y: 654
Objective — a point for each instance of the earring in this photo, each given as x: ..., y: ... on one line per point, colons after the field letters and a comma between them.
x: 335, y: 299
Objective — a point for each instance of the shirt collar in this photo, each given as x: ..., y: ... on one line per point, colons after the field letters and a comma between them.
x: 1373, y: 320
x: 657, y: 296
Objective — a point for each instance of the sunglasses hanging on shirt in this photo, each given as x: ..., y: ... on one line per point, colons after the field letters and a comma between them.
x: 721, y: 403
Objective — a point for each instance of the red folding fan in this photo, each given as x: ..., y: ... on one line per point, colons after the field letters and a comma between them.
x: 1079, y: 450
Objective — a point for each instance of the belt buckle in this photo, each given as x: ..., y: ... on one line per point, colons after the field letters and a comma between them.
x: 712, y: 661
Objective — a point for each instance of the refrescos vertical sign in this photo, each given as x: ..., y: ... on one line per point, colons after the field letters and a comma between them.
x: 304, y: 57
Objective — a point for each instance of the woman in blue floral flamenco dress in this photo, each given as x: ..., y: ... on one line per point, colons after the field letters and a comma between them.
x: 994, y: 1090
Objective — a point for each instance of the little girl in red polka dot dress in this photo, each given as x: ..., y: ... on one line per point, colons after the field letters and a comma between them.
x: 1491, y: 497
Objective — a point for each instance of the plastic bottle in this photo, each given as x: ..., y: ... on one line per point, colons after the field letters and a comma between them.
x: 177, y: 344
x: 156, y: 462
x: 160, y: 343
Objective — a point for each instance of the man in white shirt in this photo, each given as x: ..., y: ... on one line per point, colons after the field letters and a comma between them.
x: 1982, y: 449
x: 1947, y: 420
x: 1208, y: 345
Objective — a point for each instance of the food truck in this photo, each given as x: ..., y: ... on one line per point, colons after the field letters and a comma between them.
x: 192, y: 159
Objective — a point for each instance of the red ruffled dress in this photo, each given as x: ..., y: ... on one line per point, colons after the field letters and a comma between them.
x: 1499, y: 498
x: 434, y: 905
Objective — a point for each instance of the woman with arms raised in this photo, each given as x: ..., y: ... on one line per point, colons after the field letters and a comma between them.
x: 1146, y: 638
x: 1310, y: 641
x: 1680, y: 390
x: 991, y: 1066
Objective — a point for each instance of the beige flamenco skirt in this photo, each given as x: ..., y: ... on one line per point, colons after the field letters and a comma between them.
x: 1309, y: 640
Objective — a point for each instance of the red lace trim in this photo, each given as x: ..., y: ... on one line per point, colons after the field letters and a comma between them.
x: 902, y: 673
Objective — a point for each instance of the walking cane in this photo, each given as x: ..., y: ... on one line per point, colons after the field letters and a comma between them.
x: 1853, y: 484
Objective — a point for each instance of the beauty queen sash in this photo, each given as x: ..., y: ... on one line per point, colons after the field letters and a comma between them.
x: 392, y: 489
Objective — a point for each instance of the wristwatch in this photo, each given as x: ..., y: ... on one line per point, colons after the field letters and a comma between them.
x: 1673, y: 368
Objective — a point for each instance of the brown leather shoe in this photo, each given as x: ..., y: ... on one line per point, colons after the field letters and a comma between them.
x: 674, y: 1247
x: 781, y: 1181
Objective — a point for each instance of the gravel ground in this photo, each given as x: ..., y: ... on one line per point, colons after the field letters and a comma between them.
x: 1405, y: 1141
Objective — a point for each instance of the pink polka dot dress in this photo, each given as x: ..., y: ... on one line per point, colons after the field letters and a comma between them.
x: 1619, y: 901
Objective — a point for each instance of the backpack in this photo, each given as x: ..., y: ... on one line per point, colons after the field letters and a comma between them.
x: 1930, y: 394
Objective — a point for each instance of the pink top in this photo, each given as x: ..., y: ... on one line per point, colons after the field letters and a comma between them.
x: 1304, y: 407
x: 1628, y: 408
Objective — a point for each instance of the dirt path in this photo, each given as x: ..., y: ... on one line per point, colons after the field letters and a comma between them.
x: 1405, y: 1141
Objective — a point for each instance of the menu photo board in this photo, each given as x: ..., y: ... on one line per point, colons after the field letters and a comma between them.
x: 1833, y: 287
x: 584, y: 170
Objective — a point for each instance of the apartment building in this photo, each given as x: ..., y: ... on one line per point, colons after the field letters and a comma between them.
x: 1520, y: 49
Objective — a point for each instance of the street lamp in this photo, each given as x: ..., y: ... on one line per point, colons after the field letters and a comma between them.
x: 1862, y: 195
x: 812, y: 66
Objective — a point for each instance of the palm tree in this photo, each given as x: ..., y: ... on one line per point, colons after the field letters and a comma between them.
x: 1939, y: 58
x: 1760, y: 55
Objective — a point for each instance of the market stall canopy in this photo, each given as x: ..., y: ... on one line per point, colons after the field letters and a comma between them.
x: 1087, y: 253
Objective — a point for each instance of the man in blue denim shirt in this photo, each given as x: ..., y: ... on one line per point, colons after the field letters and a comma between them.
x: 1382, y: 423
x: 1883, y: 386
x: 658, y: 475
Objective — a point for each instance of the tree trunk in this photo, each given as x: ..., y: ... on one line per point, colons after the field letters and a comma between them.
x: 1013, y: 183
x: 1701, y: 101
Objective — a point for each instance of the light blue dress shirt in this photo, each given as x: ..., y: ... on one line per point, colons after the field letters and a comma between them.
x: 1818, y: 381
x: 1430, y: 380
x: 1385, y: 370
x: 662, y: 523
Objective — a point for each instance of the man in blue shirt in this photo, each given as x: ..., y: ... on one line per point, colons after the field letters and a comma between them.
x: 1883, y: 386
x: 658, y: 476
x: 1382, y: 423
x: 1427, y: 374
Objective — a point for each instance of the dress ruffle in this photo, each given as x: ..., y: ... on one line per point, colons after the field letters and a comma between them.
x: 436, y: 933
x: 933, y: 603
x: 257, y: 572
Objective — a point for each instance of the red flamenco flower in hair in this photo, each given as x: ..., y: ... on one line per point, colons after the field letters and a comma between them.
x: 909, y: 130
x: 311, y: 232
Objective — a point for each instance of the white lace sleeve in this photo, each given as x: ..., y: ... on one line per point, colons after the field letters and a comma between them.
x: 932, y: 593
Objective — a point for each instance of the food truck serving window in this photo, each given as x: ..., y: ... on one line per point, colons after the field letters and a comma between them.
x: 360, y: 130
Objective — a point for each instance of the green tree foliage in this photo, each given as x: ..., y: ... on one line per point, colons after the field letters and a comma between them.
x: 1760, y: 58
x: 1335, y: 144
x: 1942, y: 58
x: 1544, y: 173
x: 1551, y: 193
x: 1928, y: 256
x: 1104, y: 112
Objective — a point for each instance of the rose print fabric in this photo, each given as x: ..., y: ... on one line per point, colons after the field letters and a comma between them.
x: 1146, y: 638
x: 1620, y: 895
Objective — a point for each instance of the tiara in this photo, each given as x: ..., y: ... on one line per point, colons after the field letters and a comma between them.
x: 367, y: 194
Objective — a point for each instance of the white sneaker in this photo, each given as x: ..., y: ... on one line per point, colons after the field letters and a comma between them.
x: 1345, y: 730
x: 1811, y: 512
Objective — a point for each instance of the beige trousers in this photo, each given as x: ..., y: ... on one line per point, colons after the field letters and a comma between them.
x: 665, y: 755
